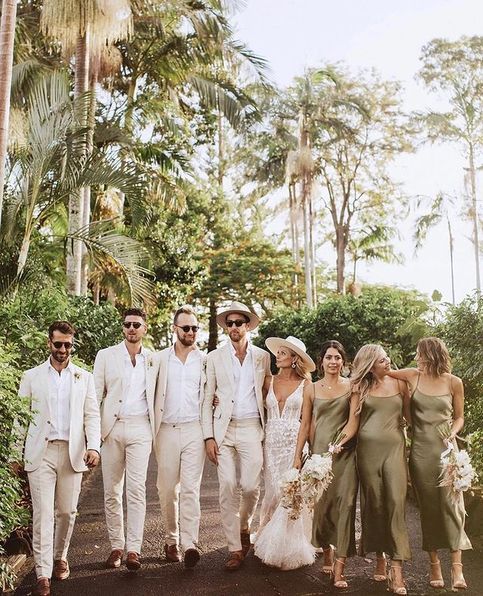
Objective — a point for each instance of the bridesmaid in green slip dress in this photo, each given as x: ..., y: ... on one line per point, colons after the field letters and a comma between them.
x: 381, y: 462
x: 436, y: 402
x: 325, y: 414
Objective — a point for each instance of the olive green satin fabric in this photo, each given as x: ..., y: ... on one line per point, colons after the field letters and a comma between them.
x: 381, y: 463
x: 334, y: 513
x: 442, y: 522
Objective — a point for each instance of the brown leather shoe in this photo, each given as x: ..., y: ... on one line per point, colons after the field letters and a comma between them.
x: 172, y: 553
x: 42, y: 588
x: 234, y: 561
x: 132, y: 561
x: 61, y: 570
x: 245, y: 542
x: 191, y: 557
x: 115, y: 559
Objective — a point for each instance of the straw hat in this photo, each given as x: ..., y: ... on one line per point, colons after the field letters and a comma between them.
x: 239, y: 309
x: 294, y: 344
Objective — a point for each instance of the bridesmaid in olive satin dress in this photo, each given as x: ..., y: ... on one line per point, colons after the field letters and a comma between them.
x: 437, y: 400
x: 381, y: 462
x: 325, y: 414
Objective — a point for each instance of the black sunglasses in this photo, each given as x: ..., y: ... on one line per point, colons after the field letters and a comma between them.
x: 186, y: 328
x: 127, y: 324
x: 58, y: 344
x: 238, y: 323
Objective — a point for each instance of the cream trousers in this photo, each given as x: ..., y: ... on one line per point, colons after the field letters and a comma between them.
x: 55, y: 488
x: 180, y: 453
x: 242, y: 444
x: 125, y: 454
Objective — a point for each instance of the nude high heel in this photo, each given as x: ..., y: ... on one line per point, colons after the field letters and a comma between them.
x: 436, y: 583
x: 379, y: 577
x: 459, y: 584
x: 391, y: 580
x: 341, y: 583
x: 328, y: 568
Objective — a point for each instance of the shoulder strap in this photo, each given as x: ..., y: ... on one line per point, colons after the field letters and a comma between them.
x: 417, y: 384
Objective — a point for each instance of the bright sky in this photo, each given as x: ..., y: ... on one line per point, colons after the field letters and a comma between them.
x: 387, y: 35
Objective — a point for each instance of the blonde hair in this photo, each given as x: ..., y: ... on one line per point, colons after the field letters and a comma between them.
x: 434, y: 356
x: 362, y: 379
x: 301, y: 367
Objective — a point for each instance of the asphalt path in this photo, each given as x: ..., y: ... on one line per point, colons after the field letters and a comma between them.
x: 90, y: 548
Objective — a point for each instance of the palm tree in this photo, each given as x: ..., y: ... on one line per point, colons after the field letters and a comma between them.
x: 7, y: 34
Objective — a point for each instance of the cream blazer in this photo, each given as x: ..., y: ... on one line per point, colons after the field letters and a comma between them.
x: 84, y: 428
x: 219, y: 382
x: 109, y: 381
x: 162, y: 381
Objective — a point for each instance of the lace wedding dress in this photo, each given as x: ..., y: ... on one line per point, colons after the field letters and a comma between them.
x: 282, y: 542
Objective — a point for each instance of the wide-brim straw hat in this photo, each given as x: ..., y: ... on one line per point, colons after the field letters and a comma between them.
x: 237, y: 308
x: 294, y: 344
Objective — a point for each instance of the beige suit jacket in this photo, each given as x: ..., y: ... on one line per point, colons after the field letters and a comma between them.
x: 219, y: 382
x: 161, y: 383
x: 109, y: 381
x: 84, y: 430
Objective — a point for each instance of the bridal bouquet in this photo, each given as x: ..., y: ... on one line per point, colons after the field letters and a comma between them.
x: 315, y: 477
x: 457, y: 473
x: 291, y: 498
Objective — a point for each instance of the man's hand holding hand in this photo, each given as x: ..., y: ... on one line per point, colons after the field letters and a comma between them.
x: 212, y: 450
x: 91, y: 458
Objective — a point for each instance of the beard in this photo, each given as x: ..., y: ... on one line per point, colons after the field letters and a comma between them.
x: 186, y: 341
x: 59, y: 357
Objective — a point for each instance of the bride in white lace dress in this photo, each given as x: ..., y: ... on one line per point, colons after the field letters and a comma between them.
x: 282, y: 542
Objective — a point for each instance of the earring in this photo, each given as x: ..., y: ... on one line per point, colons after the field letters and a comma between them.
x: 293, y: 365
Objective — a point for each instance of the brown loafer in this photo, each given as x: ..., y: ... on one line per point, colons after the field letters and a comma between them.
x: 42, y: 588
x: 115, y: 559
x: 172, y: 553
x: 132, y: 561
x: 61, y: 570
x: 245, y: 542
x: 191, y: 557
x: 234, y: 561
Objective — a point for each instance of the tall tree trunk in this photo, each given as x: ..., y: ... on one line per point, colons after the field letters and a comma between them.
x: 212, y: 327
x: 474, y: 216
x: 7, y: 37
x: 76, y: 204
x: 312, y: 246
x: 451, y: 258
x: 340, y: 247
x: 293, y: 231
x: 307, y: 259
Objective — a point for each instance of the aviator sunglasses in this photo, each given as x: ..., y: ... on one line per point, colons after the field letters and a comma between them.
x: 127, y: 324
x: 186, y: 328
x: 238, y: 323
x: 58, y: 344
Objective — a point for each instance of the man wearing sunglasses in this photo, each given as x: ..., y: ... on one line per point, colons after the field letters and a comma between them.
x: 125, y: 378
x: 63, y: 441
x: 179, y: 445
x: 233, y: 425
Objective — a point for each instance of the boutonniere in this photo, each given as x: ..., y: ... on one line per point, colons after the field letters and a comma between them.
x: 150, y: 362
x: 77, y: 376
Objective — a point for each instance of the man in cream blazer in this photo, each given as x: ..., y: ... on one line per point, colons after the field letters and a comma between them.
x: 125, y: 379
x: 233, y: 429
x: 63, y: 440
x: 179, y: 446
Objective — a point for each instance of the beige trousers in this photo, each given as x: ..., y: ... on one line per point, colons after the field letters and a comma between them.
x: 125, y: 454
x: 242, y: 444
x: 55, y: 488
x: 180, y: 453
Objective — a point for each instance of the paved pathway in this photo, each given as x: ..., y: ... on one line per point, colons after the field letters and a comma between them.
x: 90, y: 547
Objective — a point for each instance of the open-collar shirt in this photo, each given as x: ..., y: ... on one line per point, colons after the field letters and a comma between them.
x: 60, y: 385
x: 245, y: 405
x: 183, y: 386
x: 134, y: 402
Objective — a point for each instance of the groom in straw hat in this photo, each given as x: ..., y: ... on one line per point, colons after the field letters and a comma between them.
x: 233, y: 429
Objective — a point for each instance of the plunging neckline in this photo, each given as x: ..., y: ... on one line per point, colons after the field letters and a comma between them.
x: 280, y: 413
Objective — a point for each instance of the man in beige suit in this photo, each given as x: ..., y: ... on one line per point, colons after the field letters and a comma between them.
x: 179, y: 446
x: 125, y: 378
x: 233, y: 430
x: 63, y: 440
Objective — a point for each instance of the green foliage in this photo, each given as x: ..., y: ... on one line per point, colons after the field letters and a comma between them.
x: 475, y: 448
x: 378, y: 315
x: 462, y: 330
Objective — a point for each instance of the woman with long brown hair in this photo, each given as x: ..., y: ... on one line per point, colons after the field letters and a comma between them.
x: 381, y: 462
x: 437, y: 417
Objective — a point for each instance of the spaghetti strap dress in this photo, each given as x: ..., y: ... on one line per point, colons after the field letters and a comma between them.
x: 381, y: 464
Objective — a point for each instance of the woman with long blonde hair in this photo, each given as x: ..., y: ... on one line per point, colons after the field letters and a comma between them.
x: 381, y: 462
x: 436, y: 412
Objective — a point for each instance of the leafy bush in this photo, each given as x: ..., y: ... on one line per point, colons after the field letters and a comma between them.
x: 462, y: 330
x: 379, y: 315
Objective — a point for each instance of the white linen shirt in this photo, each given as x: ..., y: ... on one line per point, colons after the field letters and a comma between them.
x: 134, y: 402
x: 245, y: 405
x: 59, y: 392
x: 183, y: 384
